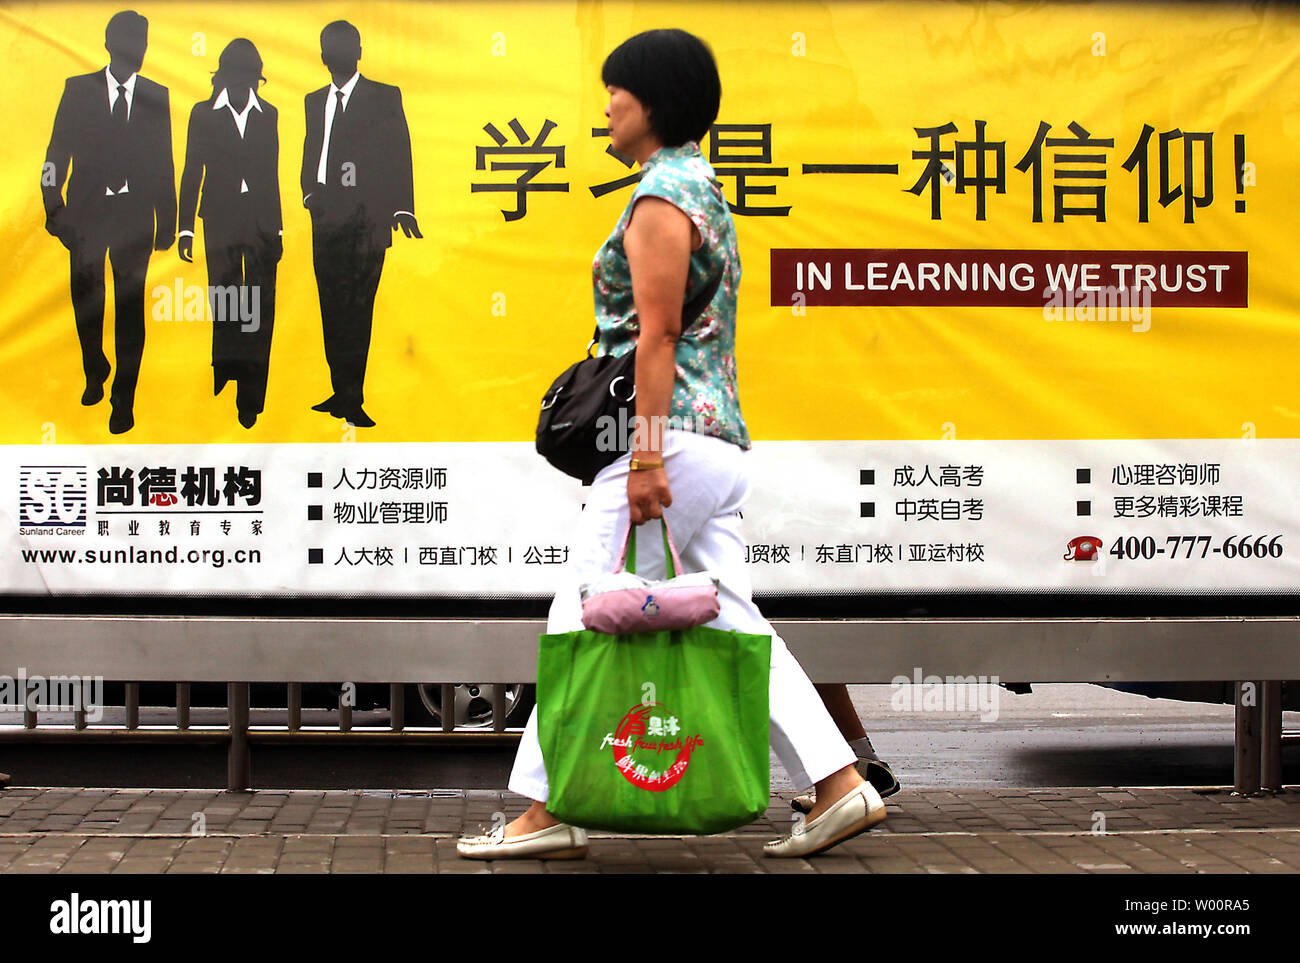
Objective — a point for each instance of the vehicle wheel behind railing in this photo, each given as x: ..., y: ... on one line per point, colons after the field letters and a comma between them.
x: 471, y: 704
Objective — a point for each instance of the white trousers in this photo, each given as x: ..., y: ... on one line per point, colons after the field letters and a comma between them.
x: 709, y: 486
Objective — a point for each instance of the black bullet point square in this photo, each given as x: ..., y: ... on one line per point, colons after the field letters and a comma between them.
x: 314, y: 513
x: 1083, y: 508
x: 868, y: 509
x: 315, y: 556
x: 1083, y: 476
x: 867, y: 476
x: 314, y: 479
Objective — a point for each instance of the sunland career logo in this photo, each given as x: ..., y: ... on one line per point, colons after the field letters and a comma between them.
x: 640, y: 741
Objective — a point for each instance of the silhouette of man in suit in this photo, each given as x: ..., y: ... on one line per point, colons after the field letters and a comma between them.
x: 357, y: 182
x: 113, y: 131
x: 232, y: 153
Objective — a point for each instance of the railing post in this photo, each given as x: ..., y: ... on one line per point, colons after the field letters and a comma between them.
x: 79, y: 710
x: 133, y: 705
x: 1270, y: 769
x: 237, y: 760
x: 295, y: 706
x: 345, y: 706
x: 396, y: 706
x: 448, y: 707
x: 30, y: 718
x: 499, y: 707
x: 1248, y: 744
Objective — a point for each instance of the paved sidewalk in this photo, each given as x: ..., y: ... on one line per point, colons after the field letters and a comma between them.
x: 928, y: 831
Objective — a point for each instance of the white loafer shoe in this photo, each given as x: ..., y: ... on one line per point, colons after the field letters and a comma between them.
x: 554, y: 842
x: 853, y: 813
x: 871, y: 768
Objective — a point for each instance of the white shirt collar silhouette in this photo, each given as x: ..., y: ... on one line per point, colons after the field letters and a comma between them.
x: 331, y: 105
x: 346, y: 88
x: 113, y: 83
x: 129, y: 86
x: 241, y: 116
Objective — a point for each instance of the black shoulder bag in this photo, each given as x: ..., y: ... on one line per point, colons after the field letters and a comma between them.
x: 587, y: 413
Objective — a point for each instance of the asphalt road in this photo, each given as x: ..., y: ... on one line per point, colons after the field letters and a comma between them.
x: 1059, y: 735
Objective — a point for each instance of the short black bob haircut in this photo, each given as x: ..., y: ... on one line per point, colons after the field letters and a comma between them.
x: 674, y: 76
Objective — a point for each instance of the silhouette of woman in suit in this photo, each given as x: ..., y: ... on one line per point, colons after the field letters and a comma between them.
x: 231, y: 161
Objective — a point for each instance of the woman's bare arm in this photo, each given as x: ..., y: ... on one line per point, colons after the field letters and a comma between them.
x: 658, y: 243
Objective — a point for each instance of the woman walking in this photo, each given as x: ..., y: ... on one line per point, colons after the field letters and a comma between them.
x: 674, y: 238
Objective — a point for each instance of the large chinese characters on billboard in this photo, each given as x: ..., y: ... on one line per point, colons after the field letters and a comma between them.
x: 284, y: 284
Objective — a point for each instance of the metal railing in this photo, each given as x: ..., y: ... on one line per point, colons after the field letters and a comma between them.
x: 212, y: 649
x: 240, y: 732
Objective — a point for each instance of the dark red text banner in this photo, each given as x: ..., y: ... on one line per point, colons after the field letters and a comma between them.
x: 825, y: 277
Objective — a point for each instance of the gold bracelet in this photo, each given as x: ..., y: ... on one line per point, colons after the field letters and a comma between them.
x: 638, y: 465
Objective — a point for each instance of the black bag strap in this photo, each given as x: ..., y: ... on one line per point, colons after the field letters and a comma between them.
x: 691, y: 310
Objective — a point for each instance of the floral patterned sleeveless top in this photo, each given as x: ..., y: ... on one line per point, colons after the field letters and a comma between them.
x: 705, y: 396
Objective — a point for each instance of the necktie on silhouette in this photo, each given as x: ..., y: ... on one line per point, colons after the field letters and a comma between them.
x: 119, y: 106
x: 117, y: 179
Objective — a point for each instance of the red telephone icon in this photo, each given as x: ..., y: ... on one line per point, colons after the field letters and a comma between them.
x: 1082, y: 549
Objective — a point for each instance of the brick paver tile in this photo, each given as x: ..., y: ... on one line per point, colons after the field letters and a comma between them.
x: 148, y: 856
x: 202, y: 855
x: 45, y: 855
x: 96, y: 856
x: 253, y: 854
x: 963, y: 830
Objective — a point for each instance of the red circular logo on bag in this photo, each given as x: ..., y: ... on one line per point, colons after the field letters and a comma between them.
x: 641, y: 742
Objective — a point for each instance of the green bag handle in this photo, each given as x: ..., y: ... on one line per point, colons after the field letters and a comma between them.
x: 628, y: 555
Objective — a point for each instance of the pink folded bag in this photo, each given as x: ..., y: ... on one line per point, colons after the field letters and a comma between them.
x: 622, y: 601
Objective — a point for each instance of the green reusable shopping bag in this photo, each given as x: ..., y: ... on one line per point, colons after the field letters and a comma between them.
x: 655, y: 732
